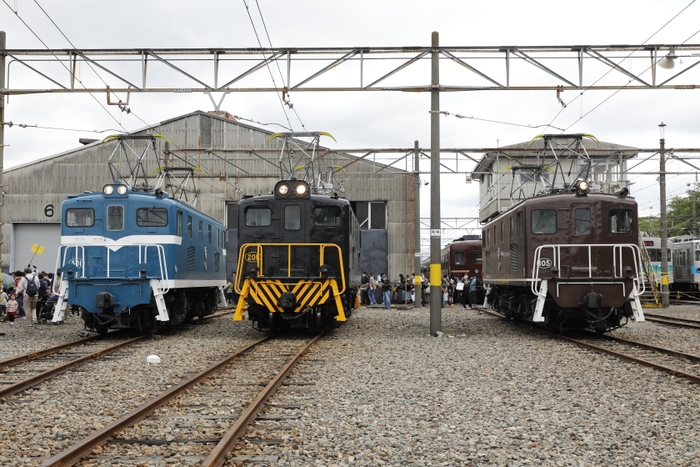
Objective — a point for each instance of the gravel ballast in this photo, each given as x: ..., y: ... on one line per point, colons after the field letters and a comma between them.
x: 381, y: 391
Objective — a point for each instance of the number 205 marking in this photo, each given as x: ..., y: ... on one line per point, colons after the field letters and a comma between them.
x: 251, y: 257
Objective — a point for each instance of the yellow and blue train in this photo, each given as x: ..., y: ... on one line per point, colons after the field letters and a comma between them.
x: 138, y: 259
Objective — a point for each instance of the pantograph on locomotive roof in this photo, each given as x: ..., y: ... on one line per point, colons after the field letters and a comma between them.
x: 558, y: 165
x: 300, y: 160
x: 127, y: 164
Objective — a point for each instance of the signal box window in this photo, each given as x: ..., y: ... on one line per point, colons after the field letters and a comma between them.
x: 460, y: 257
x: 583, y: 221
x: 292, y: 218
x: 80, y: 217
x: 621, y: 220
x: 326, y: 216
x: 115, y: 218
x: 258, y: 217
x: 544, y: 221
x: 151, y: 217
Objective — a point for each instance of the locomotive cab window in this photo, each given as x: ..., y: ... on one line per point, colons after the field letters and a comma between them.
x: 151, y: 217
x: 475, y: 256
x: 583, y: 221
x: 621, y: 220
x: 327, y: 216
x: 115, y: 218
x: 460, y: 257
x: 179, y: 223
x: 80, y: 217
x: 258, y: 217
x: 292, y: 217
x: 544, y: 221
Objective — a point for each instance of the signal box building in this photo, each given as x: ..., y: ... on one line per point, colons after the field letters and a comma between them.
x: 211, y: 159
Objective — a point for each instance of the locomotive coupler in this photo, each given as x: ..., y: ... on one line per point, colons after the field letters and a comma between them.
x: 287, y: 301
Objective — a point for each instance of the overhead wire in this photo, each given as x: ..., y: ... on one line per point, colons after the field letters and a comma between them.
x: 580, y: 95
x: 131, y: 111
x: 272, y: 77
x: 16, y: 12
x: 277, y: 64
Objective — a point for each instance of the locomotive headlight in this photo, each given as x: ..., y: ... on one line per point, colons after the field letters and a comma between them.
x: 283, y: 189
x: 122, y: 189
x: 108, y: 189
x: 581, y: 187
x: 301, y: 190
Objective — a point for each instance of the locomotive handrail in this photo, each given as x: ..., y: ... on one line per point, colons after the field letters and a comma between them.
x: 258, y: 259
x: 617, y: 257
x: 142, y: 256
x: 79, y: 253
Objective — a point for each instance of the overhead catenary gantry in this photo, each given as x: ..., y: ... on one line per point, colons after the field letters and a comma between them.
x: 218, y: 71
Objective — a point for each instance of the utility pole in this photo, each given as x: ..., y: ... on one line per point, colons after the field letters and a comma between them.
x: 3, y: 44
x: 664, y: 222
x: 435, y: 269
x: 418, y: 299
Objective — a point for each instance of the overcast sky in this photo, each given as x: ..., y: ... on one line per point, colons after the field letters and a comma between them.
x: 368, y: 119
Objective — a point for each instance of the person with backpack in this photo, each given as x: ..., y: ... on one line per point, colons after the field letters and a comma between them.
x: 43, y: 294
x: 29, y: 287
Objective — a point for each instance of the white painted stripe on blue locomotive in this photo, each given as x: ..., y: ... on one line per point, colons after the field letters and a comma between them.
x: 130, y: 240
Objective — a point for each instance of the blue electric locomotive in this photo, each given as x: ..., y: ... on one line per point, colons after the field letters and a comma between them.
x: 138, y: 260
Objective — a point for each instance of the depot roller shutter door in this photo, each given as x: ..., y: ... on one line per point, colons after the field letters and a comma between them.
x: 24, y: 236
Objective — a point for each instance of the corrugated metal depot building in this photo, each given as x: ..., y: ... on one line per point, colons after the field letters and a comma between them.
x: 231, y: 159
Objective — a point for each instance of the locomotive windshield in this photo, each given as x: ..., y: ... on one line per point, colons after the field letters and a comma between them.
x: 292, y: 217
x: 80, y: 217
x: 544, y: 221
x: 115, y: 218
x: 151, y: 217
x: 621, y: 220
x: 258, y: 217
x: 325, y: 216
x: 583, y: 221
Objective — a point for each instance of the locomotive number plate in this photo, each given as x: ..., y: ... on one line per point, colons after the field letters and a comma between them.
x: 545, y: 263
x: 251, y: 256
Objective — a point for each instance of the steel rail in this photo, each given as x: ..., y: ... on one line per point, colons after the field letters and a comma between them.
x: 218, y: 456
x: 690, y: 377
x: 45, y: 352
x: 83, y: 447
x: 673, y: 321
x: 29, y: 382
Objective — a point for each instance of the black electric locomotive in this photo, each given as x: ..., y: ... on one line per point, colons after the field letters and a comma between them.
x: 568, y: 259
x: 298, y: 260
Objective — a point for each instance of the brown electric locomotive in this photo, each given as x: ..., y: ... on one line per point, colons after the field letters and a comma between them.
x: 568, y: 259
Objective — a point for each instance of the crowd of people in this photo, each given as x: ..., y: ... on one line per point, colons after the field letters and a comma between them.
x: 26, y: 294
x: 454, y: 290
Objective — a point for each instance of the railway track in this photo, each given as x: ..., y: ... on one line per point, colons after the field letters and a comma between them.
x: 673, y: 321
x: 211, y: 408
x: 667, y: 360
x: 25, y: 371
